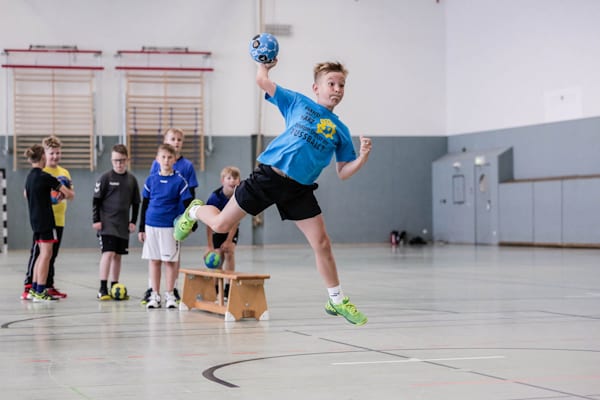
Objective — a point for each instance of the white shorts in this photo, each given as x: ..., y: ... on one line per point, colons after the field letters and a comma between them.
x: 160, y: 244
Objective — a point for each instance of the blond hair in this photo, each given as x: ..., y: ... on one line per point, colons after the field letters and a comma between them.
x: 174, y: 130
x: 230, y: 170
x: 51, y: 142
x: 329, y: 66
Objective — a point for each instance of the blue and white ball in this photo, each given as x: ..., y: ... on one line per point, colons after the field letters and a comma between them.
x: 264, y: 48
x: 212, y: 260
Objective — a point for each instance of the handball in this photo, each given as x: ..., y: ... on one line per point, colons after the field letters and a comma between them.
x: 264, y: 48
x: 65, y: 181
x: 118, y: 291
x: 55, y: 197
x: 212, y: 260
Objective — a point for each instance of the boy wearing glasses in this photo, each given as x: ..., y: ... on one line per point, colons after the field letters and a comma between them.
x: 116, y: 204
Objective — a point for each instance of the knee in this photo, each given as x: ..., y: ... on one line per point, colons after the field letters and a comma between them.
x: 221, y: 227
x: 323, y: 244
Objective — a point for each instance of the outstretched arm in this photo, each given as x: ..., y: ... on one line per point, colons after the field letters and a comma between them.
x: 262, y: 77
x: 346, y: 169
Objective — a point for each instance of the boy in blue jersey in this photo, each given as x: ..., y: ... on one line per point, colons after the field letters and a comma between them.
x: 288, y: 169
x: 162, y: 195
x: 174, y: 137
x: 224, y: 243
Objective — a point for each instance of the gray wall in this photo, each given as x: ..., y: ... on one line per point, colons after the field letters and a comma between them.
x: 393, y: 191
x: 541, y: 151
x: 554, y: 196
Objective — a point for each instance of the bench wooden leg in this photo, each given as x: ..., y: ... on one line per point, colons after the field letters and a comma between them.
x: 247, y: 300
x: 197, y: 288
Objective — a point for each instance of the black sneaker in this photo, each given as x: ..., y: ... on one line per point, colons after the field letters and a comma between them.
x: 176, y: 294
x: 146, y: 297
x: 103, y: 295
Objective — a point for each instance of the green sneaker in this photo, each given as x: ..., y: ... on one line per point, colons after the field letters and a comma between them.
x: 183, y: 224
x: 346, y: 310
x: 43, y: 297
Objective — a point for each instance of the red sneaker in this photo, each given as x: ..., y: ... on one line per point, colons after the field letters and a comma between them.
x: 25, y: 295
x: 54, y: 292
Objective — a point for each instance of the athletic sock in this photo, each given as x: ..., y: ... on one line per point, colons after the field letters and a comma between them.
x: 192, y: 212
x: 336, y: 294
x: 113, y: 284
x: 103, y: 286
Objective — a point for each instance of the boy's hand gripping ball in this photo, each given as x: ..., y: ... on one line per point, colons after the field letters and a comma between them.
x: 264, y: 48
x: 56, y: 196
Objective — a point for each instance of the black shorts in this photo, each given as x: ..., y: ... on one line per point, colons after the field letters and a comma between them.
x: 45, y: 237
x: 113, y: 243
x: 220, y: 238
x: 265, y: 187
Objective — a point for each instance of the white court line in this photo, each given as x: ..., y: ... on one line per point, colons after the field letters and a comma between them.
x: 583, y: 296
x: 411, y: 360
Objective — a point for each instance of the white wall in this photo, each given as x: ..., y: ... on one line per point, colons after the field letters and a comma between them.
x: 394, y: 50
x: 417, y: 67
x: 521, y: 62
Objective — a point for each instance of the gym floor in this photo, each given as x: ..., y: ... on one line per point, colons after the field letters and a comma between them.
x: 447, y: 322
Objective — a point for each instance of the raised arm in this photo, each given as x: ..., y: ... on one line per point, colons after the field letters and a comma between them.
x: 262, y: 77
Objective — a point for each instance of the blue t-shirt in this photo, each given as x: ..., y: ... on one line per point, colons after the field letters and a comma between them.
x: 217, y: 199
x: 312, y: 135
x: 186, y: 168
x: 165, y: 194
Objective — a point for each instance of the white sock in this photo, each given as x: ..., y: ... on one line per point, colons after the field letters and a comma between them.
x: 192, y: 212
x: 336, y: 294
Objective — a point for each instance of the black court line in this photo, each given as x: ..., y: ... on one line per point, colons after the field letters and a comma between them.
x: 210, y: 372
x: 8, y: 324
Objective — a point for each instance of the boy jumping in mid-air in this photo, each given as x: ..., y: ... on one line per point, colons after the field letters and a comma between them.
x: 288, y: 169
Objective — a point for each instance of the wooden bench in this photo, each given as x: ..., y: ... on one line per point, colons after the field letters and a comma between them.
x: 246, y: 298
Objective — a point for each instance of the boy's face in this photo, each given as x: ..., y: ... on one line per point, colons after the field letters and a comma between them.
x: 174, y: 139
x: 119, y: 162
x: 329, y: 89
x: 229, y: 182
x: 52, y: 156
x: 166, y: 161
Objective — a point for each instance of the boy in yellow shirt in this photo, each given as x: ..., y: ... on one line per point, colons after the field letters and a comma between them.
x: 53, y: 152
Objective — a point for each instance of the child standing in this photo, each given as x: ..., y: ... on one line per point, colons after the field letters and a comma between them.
x: 38, y: 188
x: 162, y: 195
x: 224, y: 243
x: 115, y: 208
x: 288, y: 169
x: 53, y: 151
x: 185, y: 168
